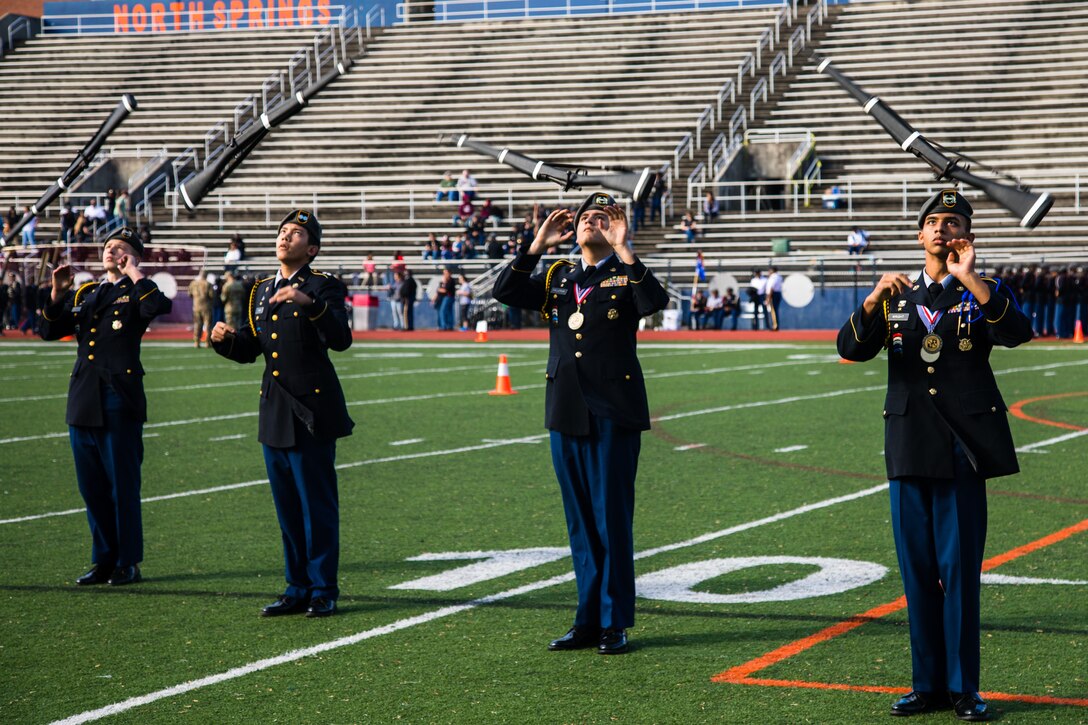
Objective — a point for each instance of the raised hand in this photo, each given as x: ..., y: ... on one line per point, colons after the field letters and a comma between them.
x: 62, y: 281
x: 961, y: 259
x: 221, y: 331
x: 553, y: 232
x: 889, y: 285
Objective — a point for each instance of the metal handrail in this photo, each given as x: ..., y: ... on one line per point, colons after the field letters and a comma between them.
x: 678, y: 152
x: 757, y: 89
x: 497, y: 10
x: 706, y: 118
x: 731, y: 87
x: 777, y: 65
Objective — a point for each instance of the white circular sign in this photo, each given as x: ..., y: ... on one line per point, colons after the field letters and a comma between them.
x: 797, y: 290
x: 166, y: 284
x: 81, y: 278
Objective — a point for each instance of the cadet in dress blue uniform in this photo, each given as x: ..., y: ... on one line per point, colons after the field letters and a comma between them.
x: 293, y: 320
x: 945, y: 433
x: 595, y: 405
x: 106, y: 403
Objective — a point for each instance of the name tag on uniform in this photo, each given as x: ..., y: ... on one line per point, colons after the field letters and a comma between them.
x: 259, y: 310
x: 561, y: 291
x: 899, y: 317
x: 620, y: 281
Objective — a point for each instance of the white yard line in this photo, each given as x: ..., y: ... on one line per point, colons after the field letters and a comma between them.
x: 401, y: 624
x: 403, y: 398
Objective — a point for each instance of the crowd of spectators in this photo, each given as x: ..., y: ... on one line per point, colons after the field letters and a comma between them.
x: 1053, y: 297
x: 21, y: 303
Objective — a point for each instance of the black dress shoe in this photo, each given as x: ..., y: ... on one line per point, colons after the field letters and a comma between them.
x: 321, y: 607
x: 613, y: 642
x: 576, y: 638
x: 915, y: 703
x: 97, y: 575
x: 284, y: 605
x: 969, y: 706
x: 125, y: 575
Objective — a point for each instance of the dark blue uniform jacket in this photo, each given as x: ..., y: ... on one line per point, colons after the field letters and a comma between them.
x: 929, y: 405
x: 593, y: 368
x: 300, y: 381
x: 108, y: 322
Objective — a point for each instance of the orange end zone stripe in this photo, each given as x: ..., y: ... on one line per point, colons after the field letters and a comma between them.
x: 1011, y: 697
x: 741, y: 674
x: 1017, y: 409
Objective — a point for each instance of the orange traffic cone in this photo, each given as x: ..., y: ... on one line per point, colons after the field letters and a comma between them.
x: 1078, y: 332
x: 502, y: 382
x: 481, y: 331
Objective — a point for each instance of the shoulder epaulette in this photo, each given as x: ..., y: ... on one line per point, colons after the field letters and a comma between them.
x: 887, y: 323
x: 252, y: 298
x: 548, y: 283
x: 82, y: 287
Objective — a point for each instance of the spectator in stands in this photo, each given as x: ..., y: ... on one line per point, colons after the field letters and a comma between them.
x: 447, y: 188
x: 10, y: 220
x: 370, y: 272
x: 29, y: 228
x: 731, y: 307
x: 408, y: 290
x: 488, y: 213
x: 201, y: 293
x: 444, y: 300
x: 656, y: 199
x: 464, y: 300
x: 466, y: 186
x: 395, y: 302
x: 68, y: 218
x: 638, y: 215
x: 15, y: 301
x: 832, y: 197
x: 30, y: 306
x: 463, y: 217
x: 688, y: 226
x: 237, y: 239
x: 857, y: 241
x: 144, y: 233
x: 494, y: 247
x: 81, y: 229
x: 120, y: 207
x: 774, y: 297
x: 232, y: 258
x: 697, y: 320
x: 234, y: 299
x: 757, y: 294
x: 710, y: 207
x: 108, y: 204
x: 715, y: 310
x: 95, y: 214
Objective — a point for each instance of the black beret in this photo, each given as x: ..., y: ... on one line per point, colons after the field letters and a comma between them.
x: 308, y: 221
x: 598, y: 200
x: 945, y: 201
x: 127, y: 235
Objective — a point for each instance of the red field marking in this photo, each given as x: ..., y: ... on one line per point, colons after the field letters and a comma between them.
x: 1017, y: 409
x: 742, y: 674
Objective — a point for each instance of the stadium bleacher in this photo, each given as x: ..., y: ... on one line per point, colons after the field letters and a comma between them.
x: 601, y: 91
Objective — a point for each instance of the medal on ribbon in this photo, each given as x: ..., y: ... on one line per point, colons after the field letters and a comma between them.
x: 931, y: 343
x: 576, y: 320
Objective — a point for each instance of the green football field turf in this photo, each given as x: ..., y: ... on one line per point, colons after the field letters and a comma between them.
x: 764, y: 467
